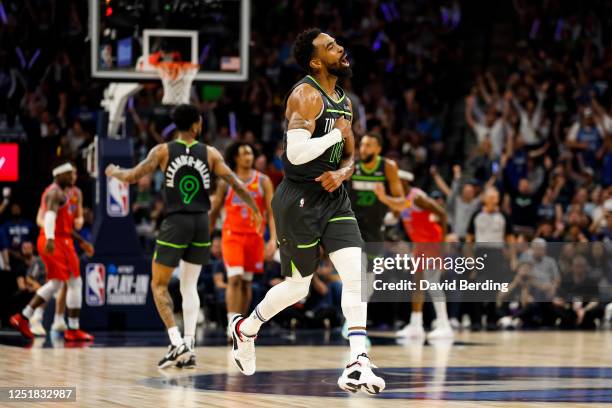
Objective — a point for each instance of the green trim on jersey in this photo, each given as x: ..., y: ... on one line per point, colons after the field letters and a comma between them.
x: 326, y: 94
x: 185, y: 143
x: 342, y: 219
x: 369, y: 178
x: 304, y: 246
x: 339, y: 111
x: 201, y: 244
x: 366, y: 171
x: 171, y: 245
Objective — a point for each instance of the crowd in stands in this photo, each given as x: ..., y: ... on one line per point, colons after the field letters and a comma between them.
x: 524, y: 124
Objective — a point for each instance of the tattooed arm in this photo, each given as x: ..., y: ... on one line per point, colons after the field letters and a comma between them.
x: 220, y: 169
x: 158, y: 156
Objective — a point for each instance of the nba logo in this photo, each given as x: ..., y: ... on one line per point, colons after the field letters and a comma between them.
x: 117, y: 198
x: 95, y: 276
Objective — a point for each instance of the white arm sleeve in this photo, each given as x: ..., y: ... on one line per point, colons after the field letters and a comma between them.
x: 302, y: 149
x: 49, y: 224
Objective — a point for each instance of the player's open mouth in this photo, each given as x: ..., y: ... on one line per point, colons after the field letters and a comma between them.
x: 344, y: 61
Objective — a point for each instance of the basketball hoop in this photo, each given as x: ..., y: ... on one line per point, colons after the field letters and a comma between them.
x: 176, y: 78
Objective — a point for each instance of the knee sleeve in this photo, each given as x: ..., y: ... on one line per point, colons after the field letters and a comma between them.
x: 189, y: 274
x: 348, y: 263
x: 283, y: 295
x: 74, y: 293
x: 49, y: 289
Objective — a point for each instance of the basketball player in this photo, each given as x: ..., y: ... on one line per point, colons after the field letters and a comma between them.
x: 425, y: 222
x: 371, y: 170
x: 59, y: 323
x: 242, y: 245
x: 184, y: 234
x: 312, y: 208
x: 59, y: 203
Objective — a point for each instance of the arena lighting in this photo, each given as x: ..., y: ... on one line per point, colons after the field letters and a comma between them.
x: 109, y: 11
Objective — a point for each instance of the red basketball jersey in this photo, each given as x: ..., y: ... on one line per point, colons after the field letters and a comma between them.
x: 420, y: 224
x: 64, y: 222
x: 237, y: 213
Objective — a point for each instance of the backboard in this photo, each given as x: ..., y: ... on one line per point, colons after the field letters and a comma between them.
x: 128, y: 35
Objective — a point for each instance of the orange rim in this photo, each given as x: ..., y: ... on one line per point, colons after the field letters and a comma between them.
x: 174, y: 69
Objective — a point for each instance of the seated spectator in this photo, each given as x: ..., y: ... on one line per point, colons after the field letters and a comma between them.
x: 577, y: 301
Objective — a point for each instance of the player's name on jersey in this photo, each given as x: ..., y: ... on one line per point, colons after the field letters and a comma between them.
x: 190, y: 161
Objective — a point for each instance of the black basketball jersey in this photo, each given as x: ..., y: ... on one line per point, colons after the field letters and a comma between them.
x: 368, y: 209
x: 330, y: 159
x: 187, y: 178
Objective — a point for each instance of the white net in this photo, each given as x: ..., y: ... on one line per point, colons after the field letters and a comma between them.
x: 177, y: 79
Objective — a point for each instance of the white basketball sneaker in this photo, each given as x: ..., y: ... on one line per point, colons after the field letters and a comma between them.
x: 443, y: 331
x: 412, y: 331
x: 359, y: 375
x: 59, y: 325
x: 243, y: 348
x: 37, y: 328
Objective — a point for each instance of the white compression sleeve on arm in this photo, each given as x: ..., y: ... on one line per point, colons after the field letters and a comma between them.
x: 49, y: 224
x: 302, y: 149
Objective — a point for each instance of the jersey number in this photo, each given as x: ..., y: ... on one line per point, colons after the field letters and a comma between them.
x: 336, y: 152
x: 365, y: 198
x: 189, y: 187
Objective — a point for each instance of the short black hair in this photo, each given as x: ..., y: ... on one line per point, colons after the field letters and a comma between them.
x: 303, y: 48
x: 232, y: 151
x: 377, y: 136
x: 184, y: 116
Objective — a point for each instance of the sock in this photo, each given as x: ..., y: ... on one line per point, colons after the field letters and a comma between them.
x: 27, y: 311
x: 230, y: 316
x: 357, y: 341
x: 59, y: 318
x: 441, y: 315
x: 175, y: 336
x: 190, y: 340
x: 38, y: 314
x: 416, y: 318
x: 251, y: 325
x: 73, y: 323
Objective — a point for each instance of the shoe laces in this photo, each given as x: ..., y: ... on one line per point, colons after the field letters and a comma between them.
x: 367, y: 363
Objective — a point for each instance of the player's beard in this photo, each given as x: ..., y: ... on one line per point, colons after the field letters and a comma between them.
x: 340, y: 71
x: 368, y: 158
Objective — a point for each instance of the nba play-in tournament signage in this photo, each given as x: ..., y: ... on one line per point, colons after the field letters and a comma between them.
x: 117, y: 198
x: 113, y: 284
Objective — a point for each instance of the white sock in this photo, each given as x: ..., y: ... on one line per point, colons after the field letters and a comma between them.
x: 230, y: 316
x: 416, y: 319
x: 251, y: 325
x: 190, y: 340
x: 175, y: 336
x: 189, y: 274
x: 73, y: 323
x: 441, y: 315
x: 357, y: 341
x: 37, y: 316
x: 27, y: 311
x: 59, y: 318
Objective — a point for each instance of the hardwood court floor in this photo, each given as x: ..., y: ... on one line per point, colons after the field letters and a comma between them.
x: 503, y: 369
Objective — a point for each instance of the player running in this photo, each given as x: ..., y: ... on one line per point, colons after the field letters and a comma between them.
x: 425, y: 223
x: 60, y: 203
x: 312, y: 208
x: 184, y: 234
x: 243, y: 245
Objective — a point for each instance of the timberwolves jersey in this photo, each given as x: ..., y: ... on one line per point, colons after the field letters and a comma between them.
x: 187, y: 178
x: 330, y: 159
x: 367, y: 207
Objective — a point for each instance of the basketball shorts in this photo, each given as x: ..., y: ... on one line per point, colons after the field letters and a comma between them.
x: 243, y: 250
x: 183, y: 236
x: 309, y: 218
x: 64, y: 262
